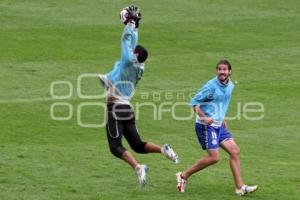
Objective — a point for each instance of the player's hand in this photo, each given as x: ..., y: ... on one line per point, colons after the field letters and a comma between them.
x: 224, y: 124
x: 131, y: 21
x: 207, y: 120
x: 134, y: 15
x: 131, y: 14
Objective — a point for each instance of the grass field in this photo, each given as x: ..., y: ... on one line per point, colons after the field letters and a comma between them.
x: 46, y: 41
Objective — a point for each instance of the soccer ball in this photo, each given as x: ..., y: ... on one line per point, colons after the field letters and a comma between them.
x: 124, y: 16
x: 130, y: 13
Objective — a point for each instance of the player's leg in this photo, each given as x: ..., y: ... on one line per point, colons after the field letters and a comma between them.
x: 133, y: 137
x: 116, y: 147
x: 230, y: 146
x: 233, y: 150
x: 128, y: 157
x: 120, y: 115
x: 211, y: 158
x: 138, y: 146
x: 207, y: 138
x: 114, y: 130
x: 115, y: 144
x: 182, y: 177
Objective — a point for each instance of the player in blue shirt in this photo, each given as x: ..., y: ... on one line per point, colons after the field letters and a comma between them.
x: 120, y: 84
x: 210, y: 104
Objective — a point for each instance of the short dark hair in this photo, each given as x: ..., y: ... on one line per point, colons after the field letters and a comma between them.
x: 142, y: 53
x: 225, y: 62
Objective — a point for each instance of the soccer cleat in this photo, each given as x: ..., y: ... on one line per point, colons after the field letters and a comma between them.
x: 141, y: 172
x: 167, y: 150
x: 181, y: 183
x: 246, y: 189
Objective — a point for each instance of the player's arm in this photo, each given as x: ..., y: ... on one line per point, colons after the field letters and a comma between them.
x: 203, y: 117
x: 128, y: 55
x: 130, y: 16
x: 203, y: 96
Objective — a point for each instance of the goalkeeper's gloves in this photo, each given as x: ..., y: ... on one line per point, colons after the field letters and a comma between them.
x: 131, y: 14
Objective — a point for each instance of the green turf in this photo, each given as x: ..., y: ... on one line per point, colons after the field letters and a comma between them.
x: 46, y: 41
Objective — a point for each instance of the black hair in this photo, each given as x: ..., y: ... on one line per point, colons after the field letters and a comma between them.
x: 225, y: 62
x: 142, y: 53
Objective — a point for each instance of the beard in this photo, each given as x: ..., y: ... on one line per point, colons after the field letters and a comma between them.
x: 223, y: 77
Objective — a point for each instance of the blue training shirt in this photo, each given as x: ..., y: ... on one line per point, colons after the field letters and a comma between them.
x: 213, y: 99
x: 127, y: 72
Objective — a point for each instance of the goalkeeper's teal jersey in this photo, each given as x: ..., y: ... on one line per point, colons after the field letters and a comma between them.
x: 127, y: 72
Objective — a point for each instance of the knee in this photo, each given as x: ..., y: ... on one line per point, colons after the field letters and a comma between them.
x: 117, y: 151
x: 139, y: 147
x: 214, y: 159
x: 235, y: 152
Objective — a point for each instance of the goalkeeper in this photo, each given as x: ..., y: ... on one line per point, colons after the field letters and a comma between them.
x: 120, y: 83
